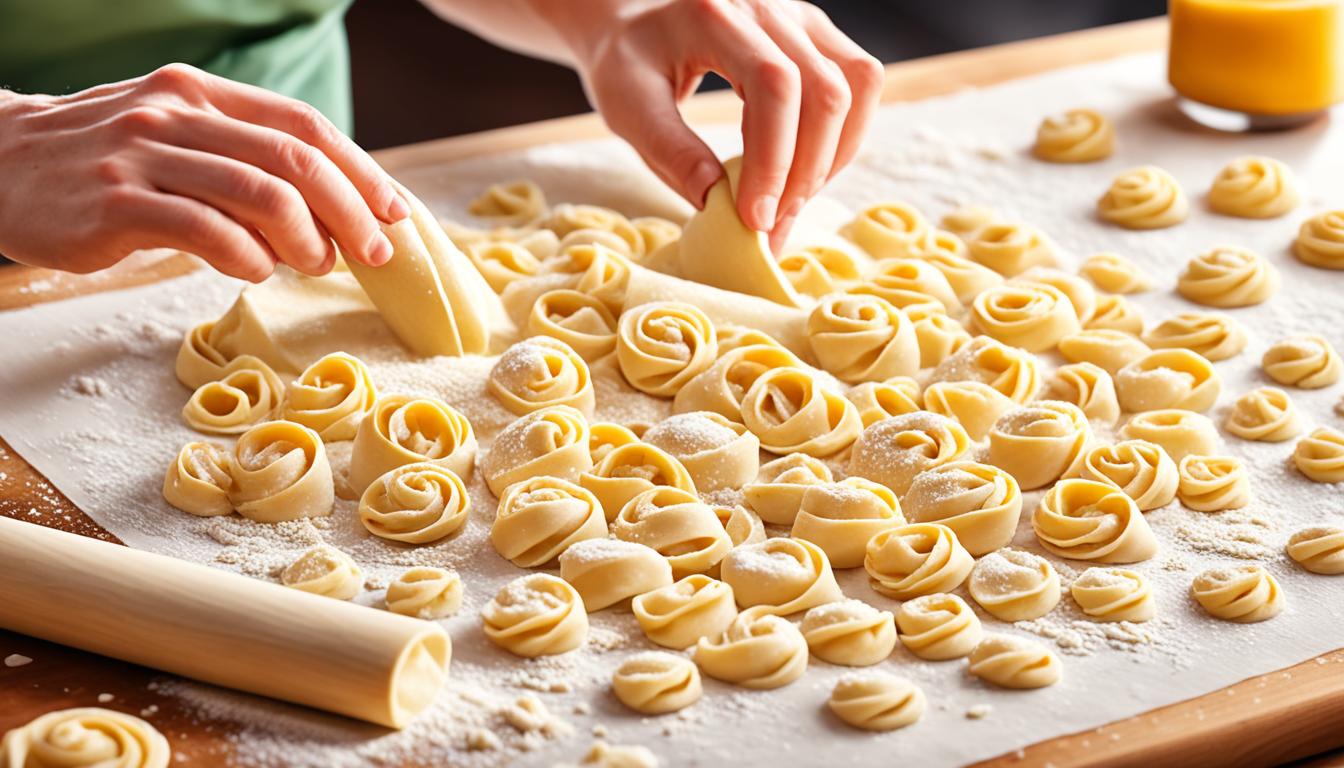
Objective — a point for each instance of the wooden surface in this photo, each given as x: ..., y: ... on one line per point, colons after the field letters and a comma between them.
x: 1286, y: 715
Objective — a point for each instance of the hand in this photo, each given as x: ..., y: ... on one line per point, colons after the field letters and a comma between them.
x: 182, y: 159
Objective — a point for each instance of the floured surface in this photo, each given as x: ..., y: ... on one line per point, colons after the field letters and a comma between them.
x: 90, y: 399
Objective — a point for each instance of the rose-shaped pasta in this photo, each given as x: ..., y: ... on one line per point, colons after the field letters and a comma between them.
x: 966, y: 278
x: 1114, y: 273
x: 607, y: 571
x: 1318, y: 548
x: 199, y: 480
x: 1213, y: 483
x: 1179, y: 433
x: 510, y: 205
x: 1114, y: 594
x: 717, y: 453
x: 862, y: 338
x: 656, y: 232
x: 876, y: 701
x: 980, y: 503
x: 1146, y: 197
x: 600, y: 271
x: 536, y: 615
x: 908, y: 283
x: 501, y: 262
x: 791, y: 411
x: 678, y: 526
x: 1033, y: 317
x: 849, y: 633
x: 1013, y: 662
x: 741, y: 524
x: 1087, y: 520
x: 1210, y: 334
x: 1141, y: 469
x: 893, y: 451
x: 662, y: 345
x: 199, y: 361
x: 841, y: 518
x: 1105, y: 348
x: 1306, y: 362
x: 888, y: 230
x: 1242, y: 593
x: 1014, y: 585
x: 1080, y: 293
x: 1115, y: 313
x: 1227, y: 277
x: 85, y: 736
x: 969, y: 219
x: 1168, y: 378
x: 541, y: 517
x: 721, y: 387
x: 731, y: 337
x: 425, y: 593
x: 1014, y: 372
x: 1254, y: 187
x: 916, y: 559
x: 938, y: 627
x: 331, y: 396
x: 972, y: 404
x: 1087, y: 386
x: 1011, y: 249
x: 655, y: 683
x: 1320, y: 455
x: 878, y: 400
x: 404, y: 430
x: 678, y: 615
x: 938, y: 335
x: 552, y: 441
x: 416, y: 503
x: 566, y: 219
x: 629, y: 470
x: 577, y: 319
x: 1265, y: 414
x: 1039, y: 443
x: 280, y: 472
x: 539, y: 372
x: 1320, y: 241
x: 249, y: 392
x: 778, y: 491
x: 1075, y: 136
x: 325, y: 571
x: 758, y: 650
x: 606, y: 436
x: 781, y: 576
x: 820, y: 269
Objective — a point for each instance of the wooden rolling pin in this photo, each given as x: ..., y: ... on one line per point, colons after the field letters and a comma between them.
x: 219, y: 627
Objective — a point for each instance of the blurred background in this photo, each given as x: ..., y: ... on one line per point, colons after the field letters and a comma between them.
x: 417, y: 78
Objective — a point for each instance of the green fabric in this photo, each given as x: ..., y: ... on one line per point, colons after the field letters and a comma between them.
x: 293, y: 47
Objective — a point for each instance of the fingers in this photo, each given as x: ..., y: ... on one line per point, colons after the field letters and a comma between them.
x: 863, y: 73
x: 158, y: 220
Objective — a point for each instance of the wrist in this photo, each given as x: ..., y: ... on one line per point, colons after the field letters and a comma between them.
x: 583, y: 28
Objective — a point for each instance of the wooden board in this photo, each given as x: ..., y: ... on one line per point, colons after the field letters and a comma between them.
x: 1281, y: 716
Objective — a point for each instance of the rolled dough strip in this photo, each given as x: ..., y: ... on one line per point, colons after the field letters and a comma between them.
x: 218, y: 627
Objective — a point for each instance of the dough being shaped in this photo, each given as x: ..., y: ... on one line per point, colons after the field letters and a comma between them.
x: 972, y: 404
x: 862, y: 338
x: 331, y: 396
x: 511, y: 204
x: 1114, y: 594
x: 780, y: 576
x: 1087, y: 520
x: 401, y: 430
x: 662, y: 345
x: 676, y: 525
x: 1039, y: 443
x: 906, y: 283
x: 1141, y: 469
x: 1307, y: 362
x: 1075, y: 136
x: 501, y: 263
x: 597, y: 271
x: 1014, y: 585
x: 1240, y: 593
x: 1087, y: 386
x: 606, y: 436
x: 849, y: 633
x: 1009, y: 661
x: 791, y: 411
x: 577, y: 319
x: 280, y: 472
x: 1146, y: 197
x: 1011, y: 249
x: 607, y: 571
x: 818, y: 270
x: 980, y: 503
x: 1266, y: 414
x: 1179, y: 433
x: 1115, y: 313
x: 778, y: 491
x: 425, y: 592
x: 1320, y: 455
x: 539, y: 372
x: 1318, y: 548
x: 1320, y: 241
x: 678, y: 615
x: 536, y: 615
x: 200, y: 479
x: 629, y: 470
x: 893, y: 451
x: 248, y: 393
x: 891, y: 230
x: 758, y: 650
x: 539, y: 518
x: 1014, y: 372
x: 1213, y: 335
x: 1213, y: 483
x: 717, y: 249
x: 85, y: 736
x: 916, y: 559
x: 938, y: 627
x: 656, y: 683
x: 1080, y: 293
x: 938, y: 335
x: 878, y: 400
x: 1168, y: 378
x: 198, y: 360
x: 966, y: 278
x: 325, y: 571
x: 1113, y: 273
x: 876, y: 701
x: 717, y: 453
x: 722, y: 387
x: 552, y: 441
x: 415, y: 503
x: 1254, y: 187
x: 1228, y: 277
x: 841, y: 518
x: 1105, y: 348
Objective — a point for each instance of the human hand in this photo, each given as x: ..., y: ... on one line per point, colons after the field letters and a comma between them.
x: 182, y: 159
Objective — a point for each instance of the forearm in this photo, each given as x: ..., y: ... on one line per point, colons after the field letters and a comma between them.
x: 562, y: 31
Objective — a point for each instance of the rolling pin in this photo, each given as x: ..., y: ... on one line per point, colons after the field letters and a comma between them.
x: 218, y: 627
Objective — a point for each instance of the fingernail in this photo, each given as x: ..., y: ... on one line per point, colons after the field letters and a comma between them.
x: 702, y: 177
x: 380, y: 250
x: 397, y: 210
x: 764, y: 212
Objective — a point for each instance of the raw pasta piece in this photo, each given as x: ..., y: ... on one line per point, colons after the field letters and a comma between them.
x: 791, y: 411
x: 893, y: 451
x: 606, y: 436
x: 1009, y: 661
x: 539, y: 518
x: 1228, y: 276
x: 248, y: 393
x: 1213, y: 483
x: 510, y: 204
x: 780, y: 576
x: 1033, y: 317
x: 741, y: 524
x: 966, y: 278
x: 778, y: 491
x: 425, y: 592
x: 888, y: 230
x: 820, y: 269
x: 607, y: 571
x: 878, y: 400
x: 501, y: 262
x: 940, y: 241
x: 876, y: 701
x: 717, y: 453
x: 1320, y: 455
x: 1075, y: 136
x: 1168, y: 378
x: 916, y: 559
x: 758, y: 650
x: 1306, y: 362
x: 908, y: 283
x: 662, y: 345
x: 1318, y: 548
x: 629, y: 470
x: 415, y: 503
x: 1014, y: 372
x: 604, y: 755
x: 1266, y: 414
x: 1146, y: 197
x: 1010, y: 249
x: 539, y: 372
x: 849, y: 633
x: 325, y: 571
x: 280, y: 472
x: 676, y: 525
x: 1179, y: 433
x: 938, y: 335
x: 577, y: 319
x: 972, y: 404
x: 1113, y: 273
x: 598, y: 271
x: 1240, y: 593
x: 1114, y: 594
x: 979, y: 502
x: 405, y: 430
x: 732, y: 336
x: 1087, y: 520
x: 1211, y: 334
x: 1254, y: 187
x: 331, y: 396
x: 841, y: 518
x: 1115, y: 313
x: 938, y: 627
x: 552, y: 441
x: 536, y: 615
x: 85, y: 736
x: 721, y: 387
x: 198, y: 360
x: 862, y: 338
x: 1039, y: 443
x: 656, y: 232
x: 200, y: 479
x: 1141, y: 469
x: 566, y: 219
x: 656, y: 683
x: 678, y: 615
x: 965, y: 221
x: 1080, y: 293
x: 1087, y: 386
x: 1014, y: 585
x: 1106, y: 348
x: 1320, y: 241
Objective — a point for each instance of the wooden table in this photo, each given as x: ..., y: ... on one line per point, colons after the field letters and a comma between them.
x: 1299, y: 711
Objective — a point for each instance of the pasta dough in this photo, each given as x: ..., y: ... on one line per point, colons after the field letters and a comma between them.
x: 1306, y: 362
x: 656, y: 232
x: 979, y: 502
x: 758, y: 650
x: 280, y: 472
x: 862, y: 338
x: 607, y: 571
x: 1141, y: 469
x: 1114, y: 273
x: 1179, y: 433
x: 878, y: 400
x: 1039, y: 443
x: 1014, y: 372
x: 938, y: 627
x: 1087, y: 386
x: 741, y: 524
x: 1213, y: 335
x: 972, y: 404
x: 678, y: 526
x: 820, y: 269
x: 577, y: 319
x: 325, y: 571
x: 1009, y: 661
x: 1266, y: 414
x: 1320, y: 241
x: 198, y: 360
x: 596, y: 270
x: 416, y: 504
x: 1241, y: 593
x: 1075, y: 136
x: 1320, y: 455
x: 536, y: 615
x: 331, y: 396
x: 891, y: 230
x: 1146, y: 197
x: 1227, y: 277
x: 1106, y: 348
x: 662, y: 345
x: 778, y: 491
x: 1010, y: 249
x: 1087, y: 520
x: 593, y: 223
x: 1080, y: 293
x: 501, y: 263
x: 969, y: 219
x: 605, y: 436
x: 1168, y: 378
x: 792, y: 412
x: 539, y: 518
x: 780, y: 576
x: 248, y: 393
x: 539, y: 372
x: 85, y: 736
x: 656, y: 683
x: 425, y: 592
x: 1014, y: 585
x: 849, y: 633
x: 916, y: 559
x: 939, y: 336
x: 1318, y: 548
x: 629, y: 470
x: 717, y: 453
x: 906, y: 283
x: 893, y: 451
x: 1254, y: 187
x: 512, y: 204
x: 1213, y: 483
x: 841, y: 518
x: 405, y: 430
x: 1116, y: 313
x: 966, y: 278
x: 1114, y: 594
x: 552, y: 441
x: 678, y: 615
x: 200, y: 479
x: 721, y: 387
x: 1034, y: 317
x: 876, y: 701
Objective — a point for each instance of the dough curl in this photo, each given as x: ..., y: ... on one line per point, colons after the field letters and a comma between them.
x: 552, y: 441
x: 876, y: 701
x: 85, y: 736
x: 972, y: 404
x: 778, y: 491
x: 1254, y: 187
x: 849, y: 633
x: 1266, y: 414
x: 1032, y: 317
x: 405, y: 430
x: 1087, y: 520
x: 1075, y: 136
x: 758, y: 651
x: 1240, y: 593
x: 606, y: 436
x: 1168, y: 378
x: 656, y: 683
x: 1011, y: 249
x: 780, y: 576
x: 566, y: 219
x: 1039, y: 443
x: 1306, y: 362
x: 1178, y: 432
x: 862, y: 338
x: 906, y: 283
x: 324, y: 571
x: 539, y: 372
x: 678, y: 615
x: 1146, y: 197
x: 818, y: 270
x: 577, y: 319
x: 536, y: 615
x: 1113, y: 273
x: 247, y: 393
x: 1087, y: 386
x: 662, y: 345
x: 629, y: 470
x: 965, y: 221
x: 1080, y: 293
x: 199, y: 361
x: 1014, y: 372
x: 511, y: 204
x: 722, y: 386
x: 791, y: 411
x: 980, y: 503
x: 718, y: 453
x: 1318, y: 548
x: 676, y: 525
x: 425, y: 592
x: 1320, y: 455
x: 893, y: 451
x: 415, y: 503
x: 938, y: 335
x: 200, y: 479
x: 966, y: 278
x: 1213, y: 483
x: 938, y: 627
x: 596, y: 271
x: 331, y: 396
x: 1105, y: 348
x: 878, y: 400
x: 1142, y: 470
x: 607, y: 571
x: 841, y: 518
x: 1228, y: 277
x: 1116, y: 313
x: 1014, y: 585
x: 502, y: 262
x: 888, y: 230
x: 1320, y: 241
x: 1213, y: 335
x: 539, y: 518
x: 1013, y: 662
x: 1114, y: 594
x: 916, y: 559
x: 280, y: 472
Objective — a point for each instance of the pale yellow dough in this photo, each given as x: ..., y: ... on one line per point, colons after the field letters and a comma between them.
x: 780, y: 576
x: 331, y: 396
x: 758, y: 650
x: 1307, y: 362
x: 536, y: 615
x: 1242, y: 593
x: 849, y: 633
x: 876, y: 701
x: 841, y: 518
x: 552, y: 441
x: 200, y: 479
x: 401, y: 430
x: 1320, y: 241
x: 607, y: 571
x: 778, y: 491
x: 862, y: 338
x: 938, y: 627
x: 1320, y: 455
x: 1075, y: 136
x: 1141, y: 469
x: 893, y: 451
x: 656, y: 683
x: 538, y: 372
x: 425, y: 592
x: 1146, y: 197
x: 676, y: 525
x: 280, y: 472
x: 1113, y: 273
x: 1009, y: 661
x: 979, y: 502
x: 247, y: 393
x: 1228, y: 276
x: 916, y: 559
x: 663, y: 345
x: 85, y: 736
x: 1254, y: 187
x: 678, y: 615
x: 1168, y: 378
x: 1213, y: 483
x: 1213, y: 335
x: 1318, y: 548
x: 1014, y: 585
x: 1087, y: 520
x: 325, y: 571
x: 539, y: 518
x: 415, y: 503
x: 1178, y: 432
x: 1039, y: 443
x: 1265, y: 414
x: 1114, y: 594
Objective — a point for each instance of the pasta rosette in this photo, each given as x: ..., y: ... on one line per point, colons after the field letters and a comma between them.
x: 425, y: 593
x: 577, y: 319
x: 721, y: 387
x: 539, y: 518
x: 972, y: 404
x: 1087, y: 520
x: 1039, y: 443
x: 938, y: 627
x: 85, y: 736
x: 1113, y: 273
x: 1168, y: 378
x: 1010, y: 249
x: 1265, y: 414
x: 248, y: 393
x: 841, y: 518
x: 893, y: 451
x: 656, y: 683
x: 876, y: 701
x: 1318, y: 548
x: 1114, y: 594
x: 905, y: 283
x: 1105, y: 348
x: 717, y: 453
x: 662, y: 345
x: 1142, y: 470
x: 1320, y: 241
x: 849, y: 633
x: 324, y: 571
x: 1146, y: 197
x: 415, y: 503
x: 1242, y: 593
x: 1306, y: 362
x: 539, y: 372
x: 629, y: 470
x: 1320, y: 455
x: 405, y: 430
x: 331, y: 396
x: 792, y: 412
x: 916, y: 559
x: 862, y: 338
x: 1014, y: 585
x: 552, y: 441
x: 678, y: 615
x: 1013, y: 662
x: 888, y: 230
x: 878, y: 400
x: 1213, y: 483
x: 778, y: 491
x: 1209, y: 334
x: 536, y: 615
x: 1014, y: 372
x: 1087, y: 386
x: 758, y: 650
x: 780, y: 576
x: 280, y: 472
x: 980, y: 503
x: 676, y: 525
x: 1033, y: 317
x: 200, y: 479
x: 1254, y: 187
x: 1075, y: 136
x: 607, y: 571
x: 1178, y: 432
x: 1228, y: 277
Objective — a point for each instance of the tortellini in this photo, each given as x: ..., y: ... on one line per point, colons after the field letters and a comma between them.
x: 1228, y: 277
x: 1146, y: 197
x: 607, y: 571
x: 1075, y: 136
x: 758, y: 650
x: 198, y: 361
x: 1213, y: 335
x: 876, y: 701
x: 85, y: 736
x: 248, y: 392
x: 862, y: 338
x: 404, y: 430
x: 780, y: 576
x: 778, y: 491
x: 552, y: 441
x: 1318, y: 548
x: 416, y: 504
x: 979, y: 502
x: 280, y: 472
x: 662, y: 345
x: 1087, y: 386
x: 841, y: 518
x: 878, y: 400
x: 678, y: 526
x: 1106, y: 348
x: 1114, y: 312
x: 539, y: 518
x: 849, y: 633
x: 741, y: 524
x: 199, y: 480
x: 717, y: 453
x: 538, y: 372
x: 1168, y: 378
x: 656, y: 683
x: 678, y: 615
x: 1014, y: 585
x: 1178, y: 432
x: 325, y: 571
x: 722, y: 387
x: 908, y: 283
x: 1032, y: 316
x: 1213, y: 483
x: 1266, y: 414
x: 938, y: 627
x: 1320, y: 455
x: 791, y: 411
x: 577, y: 319
x: 1305, y: 362
x: 972, y: 404
x: 1320, y: 241
x: 1039, y: 443
x: 1009, y: 661
x: 1114, y: 594
x: 1113, y: 273
x: 331, y: 396
x: 1010, y: 249
x: 1014, y: 372
x: 916, y: 559
x: 425, y: 593
x: 893, y: 451
x: 1241, y: 593
x: 536, y: 615
x: 889, y: 230
x: 629, y: 470
x: 1254, y: 187
x: 501, y: 262
x: 1087, y: 520
x: 512, y: 204
x: 1141, y: 469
